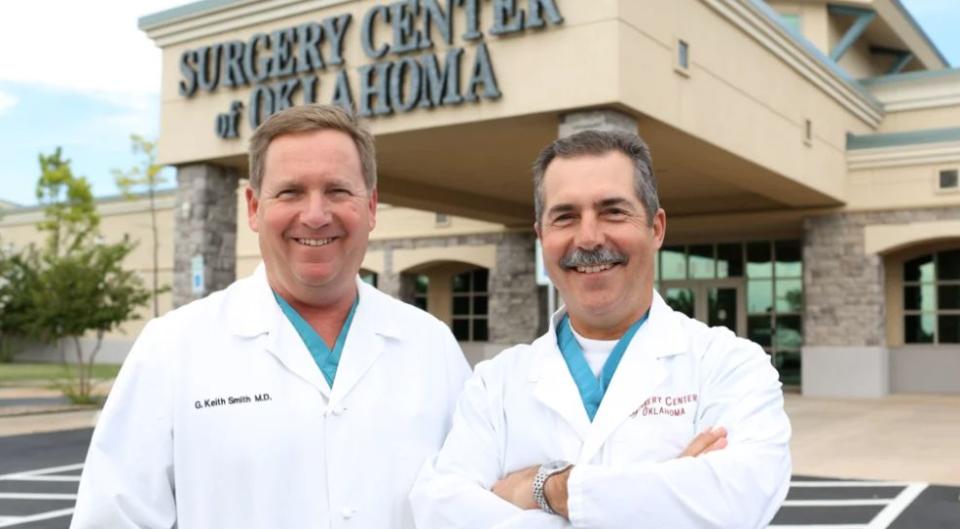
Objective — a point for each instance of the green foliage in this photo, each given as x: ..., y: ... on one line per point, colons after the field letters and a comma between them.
x: 70, y: 214
x: 80, y: 285
x: 18, y: 279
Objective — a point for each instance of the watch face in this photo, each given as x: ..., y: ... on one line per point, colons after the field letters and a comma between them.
x: 553, y: 466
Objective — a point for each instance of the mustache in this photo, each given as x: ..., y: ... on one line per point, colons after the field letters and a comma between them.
x: 595, y: 257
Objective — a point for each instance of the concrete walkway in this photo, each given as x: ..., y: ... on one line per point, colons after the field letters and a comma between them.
x: 900, y: 438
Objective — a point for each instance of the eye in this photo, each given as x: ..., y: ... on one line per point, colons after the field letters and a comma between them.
x: 287, y: 193
x: 563, y: 219
x: 615, y: 213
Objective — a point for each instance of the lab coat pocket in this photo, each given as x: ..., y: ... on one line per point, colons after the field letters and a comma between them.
x: 652, y: 439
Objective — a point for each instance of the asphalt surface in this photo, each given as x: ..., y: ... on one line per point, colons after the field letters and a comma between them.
x: 39, y: 474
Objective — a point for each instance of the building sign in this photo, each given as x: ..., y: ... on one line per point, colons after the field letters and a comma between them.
x: 285, y: 67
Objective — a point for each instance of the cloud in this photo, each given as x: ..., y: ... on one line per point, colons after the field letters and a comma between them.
x: 7, y: 102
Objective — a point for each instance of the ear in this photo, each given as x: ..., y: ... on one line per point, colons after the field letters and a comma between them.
x: 374, y: 198
x: 253, y: 205
x: 536, y: 229
x: 659, y: 227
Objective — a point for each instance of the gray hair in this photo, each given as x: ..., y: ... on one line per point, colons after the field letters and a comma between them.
x: 595, y: 143
x: 309, y: 118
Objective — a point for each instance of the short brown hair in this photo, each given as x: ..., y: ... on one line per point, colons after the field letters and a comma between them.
x: 307, y: 118
x: 596, y: 143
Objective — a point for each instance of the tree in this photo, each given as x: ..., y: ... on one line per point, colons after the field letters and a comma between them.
x: 18, y: 279
x: 81, y: 285
x: 146, y: 177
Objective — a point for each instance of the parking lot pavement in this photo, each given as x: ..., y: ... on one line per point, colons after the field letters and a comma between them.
x: 39, y: 474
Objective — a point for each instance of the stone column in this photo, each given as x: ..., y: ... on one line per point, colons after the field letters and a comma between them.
x: 844, y: 352
x: 514, y: 306
x: 205, y: 225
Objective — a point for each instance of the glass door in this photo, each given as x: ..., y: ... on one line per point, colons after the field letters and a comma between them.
x: 714, y: 302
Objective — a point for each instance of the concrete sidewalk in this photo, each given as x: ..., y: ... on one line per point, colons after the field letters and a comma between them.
x: 899, y: 438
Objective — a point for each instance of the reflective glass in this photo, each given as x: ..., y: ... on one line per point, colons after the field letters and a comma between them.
x: 759, y: 296
x: 420, y: 302
x: 461, y: 282
x: 918, y: 297
x: 948, y: 296
x: 948, y: 265
x: 722, y: 307
x: 789, y: 295
x: 919, y: 269
x: 729, y: 260
x: 788, y: 364
x: 789, y: 333
x: 918, y: 328
x: 480, y: 304
x: 480, y: 333
x: 461, y: 329
x: 369, y: 278
x: 759, y: 330
x: 789, y: 259
x: 480, y: 276
x: 461, y: 305
x: 680, y: 300
x: 422, y: 282
x: 673, y: 263
x: 948, y: 328
x: 700, y: 261
x: 758, y: 260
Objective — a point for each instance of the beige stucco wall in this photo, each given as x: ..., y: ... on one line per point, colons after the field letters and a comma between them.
x: 118, y: 218
x: 900, y: 186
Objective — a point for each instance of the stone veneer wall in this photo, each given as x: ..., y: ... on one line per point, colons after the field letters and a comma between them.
x: 514, y: 302
x: 205, y: 223
x: 844, y: 287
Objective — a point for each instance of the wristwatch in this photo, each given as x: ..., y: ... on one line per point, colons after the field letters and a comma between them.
x: 546, y: 470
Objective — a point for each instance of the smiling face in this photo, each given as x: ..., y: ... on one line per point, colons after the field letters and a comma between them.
x: 313, y: 215
x: 598, y: 246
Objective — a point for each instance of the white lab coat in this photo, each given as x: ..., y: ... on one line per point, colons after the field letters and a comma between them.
x: 678, y: 377
x: 221, y: 418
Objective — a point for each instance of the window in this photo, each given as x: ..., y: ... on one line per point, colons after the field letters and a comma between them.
x: 470, y: 305
x: 948, y: 179
x: 421, y: 283
x: 683, y: 54
x: 931, y: 298
x: 441, y: 220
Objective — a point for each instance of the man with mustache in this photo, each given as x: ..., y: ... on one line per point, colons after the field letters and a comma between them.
x: 625, y: 414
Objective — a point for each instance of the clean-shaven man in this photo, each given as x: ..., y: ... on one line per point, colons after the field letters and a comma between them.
x: 625, y: 414
x: 297, y: 397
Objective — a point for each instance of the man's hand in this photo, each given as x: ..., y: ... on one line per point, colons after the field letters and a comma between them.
x: 517, y: 487
x: 708, y: 441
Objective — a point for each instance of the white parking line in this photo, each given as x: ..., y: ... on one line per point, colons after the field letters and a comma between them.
x: 43, y: 471
x: 20, y: 520
x: 27, y: 477
x: 35, y: 496
x: 897, y: 506
x: 835, y: 503
x: 893, y: 507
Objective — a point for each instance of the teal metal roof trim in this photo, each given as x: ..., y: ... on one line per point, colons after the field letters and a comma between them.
x: 923, y: 34
x: 192, y: 9
x: 900, y: 139
x: 910, y: 76
x: 812, y: 50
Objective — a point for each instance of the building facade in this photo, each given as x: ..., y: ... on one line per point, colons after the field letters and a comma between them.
x: 806, y: 151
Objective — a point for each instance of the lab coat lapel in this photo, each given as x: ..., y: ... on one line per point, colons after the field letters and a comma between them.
x: 285, y: 344
x: 640, y: 372
x: 365, y: 341
x: 555, y: 387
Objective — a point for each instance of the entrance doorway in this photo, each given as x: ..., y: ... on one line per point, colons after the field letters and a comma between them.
x: 714, y: 301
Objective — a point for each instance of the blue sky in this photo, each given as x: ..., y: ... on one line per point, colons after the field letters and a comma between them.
x: 97, y: 82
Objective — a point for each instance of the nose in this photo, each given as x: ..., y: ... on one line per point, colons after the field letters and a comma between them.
x: 589, y: 232
x: 316, y: 212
